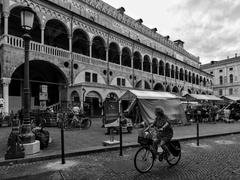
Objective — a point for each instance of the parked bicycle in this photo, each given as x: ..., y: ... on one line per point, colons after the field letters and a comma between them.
x: 146, y: 154
x: 73, y: 121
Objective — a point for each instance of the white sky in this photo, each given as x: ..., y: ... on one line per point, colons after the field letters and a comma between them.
x: 209, y: 28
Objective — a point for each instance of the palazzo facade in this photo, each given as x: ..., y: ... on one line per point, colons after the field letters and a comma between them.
x: 87, y: 51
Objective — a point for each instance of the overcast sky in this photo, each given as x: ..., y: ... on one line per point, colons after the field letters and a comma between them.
x: 209, y: 28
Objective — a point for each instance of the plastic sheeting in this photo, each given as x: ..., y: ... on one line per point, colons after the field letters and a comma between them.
x: 172, y: 108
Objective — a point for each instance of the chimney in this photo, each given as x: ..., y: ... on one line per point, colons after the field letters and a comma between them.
x: 140, y: 21
x: 154, y: 29
x: 167, y: 37
x: 121, y: 10
x: 235, y: 55
x: 179, y: 43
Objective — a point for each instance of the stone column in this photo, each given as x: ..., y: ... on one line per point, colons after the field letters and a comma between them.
x: 120, y: 58
x: 5, y: 15
x: 42, y: 35
x: 5, y: 83
x: 108, y: 68
x: 90, y: 49
x: 132, y: 70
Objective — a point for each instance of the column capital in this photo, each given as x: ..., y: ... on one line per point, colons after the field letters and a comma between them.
x: 6, y: 81
x: 6, y: 14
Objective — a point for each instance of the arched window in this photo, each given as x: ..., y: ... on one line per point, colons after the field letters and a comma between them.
x: 193, y: 78
x: 176, y: 73
x: 220, y: 80
x: 161, y: 68
x: 186, y: 75
x: 126, y: 57
x: 154, y: 66
x: 113, y: 53
x: 231, y: 78
x: 167, y: 69
x: 146, y: 64
x: 98, y: 48
x: 137, y: 61
x: 181, y: 74
x: 172, y: 71
x: 189, y: 77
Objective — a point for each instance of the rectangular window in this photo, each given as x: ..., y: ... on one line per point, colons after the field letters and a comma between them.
x: 220, y: 70
x: 230, y: 69
x: 123, y: 82
x: 230, y: 91
x: 87, y: 77
x: 94, y: 77
x: 119, y: 81
x: 220, y: 92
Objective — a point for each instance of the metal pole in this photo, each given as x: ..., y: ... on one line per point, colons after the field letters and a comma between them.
x: 26, y: 132
x: 120, y: 127
x: 62, y: 141
x: 198, y: 116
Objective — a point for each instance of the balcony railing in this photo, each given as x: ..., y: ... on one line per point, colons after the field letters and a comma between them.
x: 36, y: 47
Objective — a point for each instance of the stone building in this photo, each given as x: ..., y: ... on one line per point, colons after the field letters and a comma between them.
x: 86, y: 50
x: 226, y: 76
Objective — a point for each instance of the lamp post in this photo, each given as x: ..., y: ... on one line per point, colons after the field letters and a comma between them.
x: 27, y: 18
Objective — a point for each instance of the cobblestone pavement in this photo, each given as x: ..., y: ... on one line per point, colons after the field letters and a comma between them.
x: 215, y: 158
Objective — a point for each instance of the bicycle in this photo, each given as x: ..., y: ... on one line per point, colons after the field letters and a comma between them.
x: 72, y: 121
x: 146, y: 154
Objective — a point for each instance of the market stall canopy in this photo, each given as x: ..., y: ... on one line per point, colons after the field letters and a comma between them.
x: 231, y: 98
x: 202, y: 97
x: 132, y: 94
x: 148, y: 101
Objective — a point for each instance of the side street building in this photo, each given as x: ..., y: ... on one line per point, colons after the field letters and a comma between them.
x: 226, y: 76
x: 85, y: 51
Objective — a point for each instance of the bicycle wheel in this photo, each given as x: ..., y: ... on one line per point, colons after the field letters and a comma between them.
x: 144, y: 160
x: 173, y: 160
x: 86, y: 123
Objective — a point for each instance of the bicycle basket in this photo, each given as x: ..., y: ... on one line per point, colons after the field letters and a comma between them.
x: 144, y: 141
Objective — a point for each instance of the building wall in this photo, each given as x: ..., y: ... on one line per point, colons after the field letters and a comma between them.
x: 224, y: 69
x: 98, y: 19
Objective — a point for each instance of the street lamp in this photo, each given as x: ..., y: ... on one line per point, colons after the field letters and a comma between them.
x: 27, y: 18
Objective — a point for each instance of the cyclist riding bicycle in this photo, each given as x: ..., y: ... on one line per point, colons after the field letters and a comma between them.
x: 164, y: 131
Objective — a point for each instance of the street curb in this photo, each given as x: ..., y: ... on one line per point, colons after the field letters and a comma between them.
x: 98, y: 149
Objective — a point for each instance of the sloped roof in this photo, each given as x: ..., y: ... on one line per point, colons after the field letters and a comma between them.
x: 130, y: 94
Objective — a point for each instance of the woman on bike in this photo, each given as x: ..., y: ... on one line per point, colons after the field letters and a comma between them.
x: 164, y: 131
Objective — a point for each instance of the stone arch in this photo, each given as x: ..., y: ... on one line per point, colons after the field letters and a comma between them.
x: 56, y: 34
x: 80, y: 42
x: 204, y: 81
x: 80, y: 78
x: 94, y: 99
x: 161, y: 68
x: 175, y: 90
x: 146, y: 64
x: 154, y: 66
x: 168, y: 89
x: 189, y: 91
x: 14, y: 25
x: 114, y: 53
x: 126, y: 57
x: 197, y: 79
x: 137, y: 60
x: 146, y: 85
x: 41, y: 73
x: 75, y: 98
x: 139, y: 85
x: 98, y: 48
x: 112, y: 95
x: 159, y: 87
